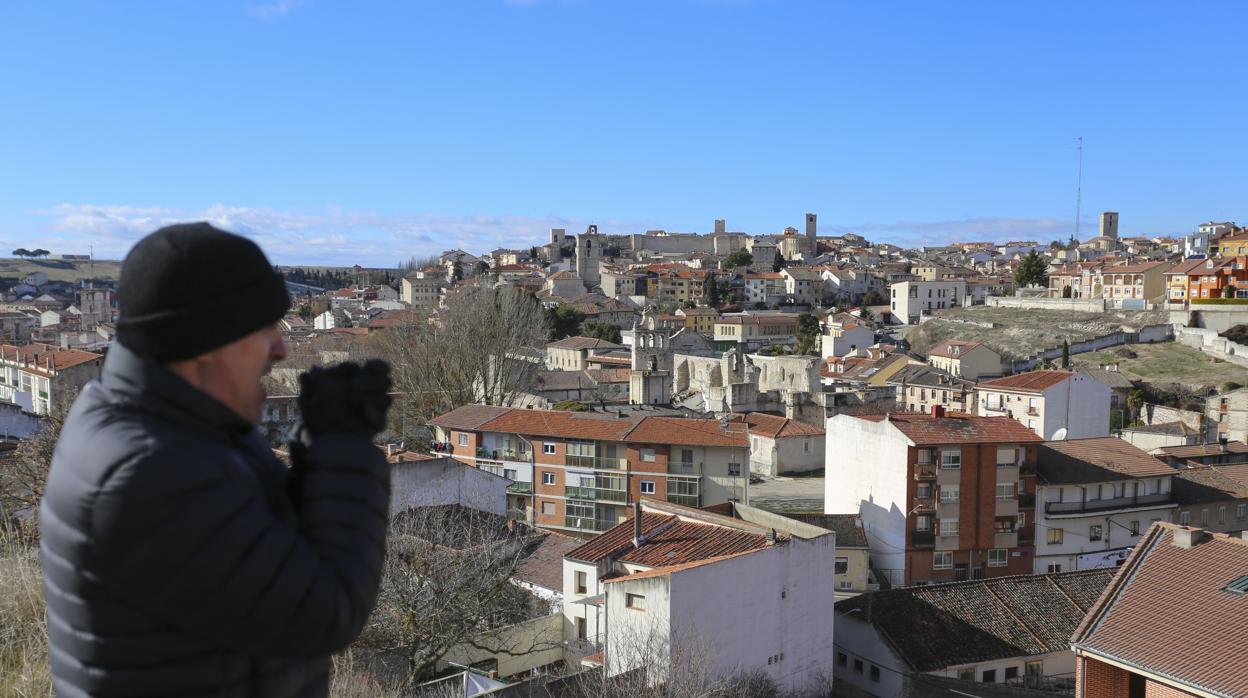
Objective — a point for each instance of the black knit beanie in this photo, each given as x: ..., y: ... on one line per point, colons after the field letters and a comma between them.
x: 187, y: 289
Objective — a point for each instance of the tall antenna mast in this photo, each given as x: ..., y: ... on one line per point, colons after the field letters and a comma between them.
x: 1079, y: 190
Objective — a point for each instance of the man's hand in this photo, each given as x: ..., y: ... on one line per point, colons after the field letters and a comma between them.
x: 346, y: 398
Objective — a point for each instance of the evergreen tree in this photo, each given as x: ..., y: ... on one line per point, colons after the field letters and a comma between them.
x: 1065, y: 353
x: 1032, y: 271
x: 778, y: 264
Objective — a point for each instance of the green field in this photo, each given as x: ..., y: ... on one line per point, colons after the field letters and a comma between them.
x: 1166, y: 362
x: 58, y: 270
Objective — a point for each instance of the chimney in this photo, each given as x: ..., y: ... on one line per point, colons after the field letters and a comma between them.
x: 391, y: 449
x: 1186, y: 537
x: 938, y: 411
x: 637, y: 524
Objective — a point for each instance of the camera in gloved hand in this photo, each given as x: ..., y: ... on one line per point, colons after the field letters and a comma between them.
x: 347, y: 398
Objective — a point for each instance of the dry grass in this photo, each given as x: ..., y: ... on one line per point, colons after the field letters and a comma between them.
x: 1165, y: 362
x: 23, y: 635
x: 1020, y: 332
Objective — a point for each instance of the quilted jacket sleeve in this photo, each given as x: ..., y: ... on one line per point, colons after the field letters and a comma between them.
x: 193, y: 544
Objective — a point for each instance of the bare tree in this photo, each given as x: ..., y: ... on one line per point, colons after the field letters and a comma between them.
x: 479, y: 349
x: 24, y: 477
x: 447, y: 582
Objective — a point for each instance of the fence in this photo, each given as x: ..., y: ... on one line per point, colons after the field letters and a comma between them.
x: 1145, y: 335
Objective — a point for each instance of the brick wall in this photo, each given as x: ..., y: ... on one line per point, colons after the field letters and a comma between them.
x: 1095, y: 679
x: 1152, y: 689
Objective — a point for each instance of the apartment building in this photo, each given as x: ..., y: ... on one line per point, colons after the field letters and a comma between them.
x: 749, y: 332
x: 782, y: 446
x: 969, y: 360
x: 1098, y: 495
x: 1229, y: 410
x: 911, y: 300
x: 701, y: 319
x: 1208, y: 278
x: 943, y: 496
x: 843, y: 334
x: 1212, y: 497
x: 623, y: 283
x: 422, y: 292
x: 578, y: 471
x: 764, y: 287
x: 1171, y: 623
x: 803, y: 284
x: 921, y: 387
x: 1055, y: 404
x: 36, y: 376
x: 665, y: 588
x: 1233, y: 245
x: 572, y: 353
x: 1134, y: 284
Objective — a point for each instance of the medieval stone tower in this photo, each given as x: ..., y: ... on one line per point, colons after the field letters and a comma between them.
x: 650, y: 375
x: 812, y: 246
x: 588, y: 254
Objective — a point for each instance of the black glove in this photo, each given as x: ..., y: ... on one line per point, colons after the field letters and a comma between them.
x: 346, y: 398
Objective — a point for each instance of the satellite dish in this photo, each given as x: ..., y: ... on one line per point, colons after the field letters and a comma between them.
x: 1059, y: 435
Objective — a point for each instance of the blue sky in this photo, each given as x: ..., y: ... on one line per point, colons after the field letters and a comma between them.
x: 341, y: 132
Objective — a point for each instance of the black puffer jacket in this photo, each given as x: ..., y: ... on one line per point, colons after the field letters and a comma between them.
x: 176, y: 563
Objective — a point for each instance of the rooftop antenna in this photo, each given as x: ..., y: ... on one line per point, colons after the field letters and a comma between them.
x: 1079, y: 188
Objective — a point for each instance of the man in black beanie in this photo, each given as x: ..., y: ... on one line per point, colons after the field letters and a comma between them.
x: 180, y: 556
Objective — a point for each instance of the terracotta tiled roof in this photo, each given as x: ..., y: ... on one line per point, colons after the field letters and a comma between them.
x: 956, y: 428
x: 848, y: 527
x: 1199, y: 641
x: 668, y: 540
x: 543, y: 567
x: 1186, y: 266
x: 1097, y: 459
x: 42, y: 354
x: 1131, y: 268
x: 670, y: 569
x: 1029, y: 382
x: 579, y: 343
x: 680, y: 431
x: 1210, y: 483
x: 468, y: 417
x: 780, y: 427
x: 933, y: 627
x: 1196, y: 450
x: 953, y: 349
x: 560, y: 424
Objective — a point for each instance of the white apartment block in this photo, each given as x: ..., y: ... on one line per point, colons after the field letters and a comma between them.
x: 911, y: 300
x: 36, y: 376
x: 1049, y: 402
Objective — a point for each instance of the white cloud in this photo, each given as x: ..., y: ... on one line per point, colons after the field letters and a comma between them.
x: 332, y: 237
x: 274, y: 9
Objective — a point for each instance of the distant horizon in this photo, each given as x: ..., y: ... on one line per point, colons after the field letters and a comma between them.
x: 336, y: 134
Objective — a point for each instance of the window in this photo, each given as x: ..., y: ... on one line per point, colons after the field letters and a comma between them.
x: 509, y: 473
x: 806, y: 445
x: 548, y: 478
x: 998, y: 557
x: 647, y: 486
x: 922, y: 523
x: 637, y: 602
x: 949, y: 494
x: 925, y: 455
x: 1241, y: 511
x: 581, y: 631
x: 582, y: 583
x: 1005, y: 490
x: 1056, y: 536
x: 1204, y: 517
x: 1005, y: 456
x: 1134, y: 527
x: 463, y: 439
x: 951, y: 458
x: 1185, y: 517
x: 948, y: 527
x: 686, y: 455
x: 1055, y: 567
x: 734, y: 469
x: 548, y: 508
x: 842, y: 659
x: 990, y: 676
x: 942, y: 560
x: 875, y: 673
x: 842, y: 565
x: 1094, y: 532
x: 1221, y: 515
x: 548, y: 449
x: 647, y: 455
x: 857, y: 666
x: 923, y: 491
x: 1011, y: 672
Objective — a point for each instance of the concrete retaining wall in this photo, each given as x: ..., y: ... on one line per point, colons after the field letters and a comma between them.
x: 1208, y: 341
x: 1146, y: 335
x: 1086, y: 305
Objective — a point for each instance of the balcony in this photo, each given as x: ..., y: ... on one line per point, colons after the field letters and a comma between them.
x: 1005, y: 539
x: 688, y: 500
x: 611, y: 495
x: 1027, y: 467
x: 580, y: 493
x: 1007, y: 507
x: 1026, y: 535
x: 680, y: 467
x: 1026, y: 500
x: 1089, y: 507
x: 923, y: 506
x: 582, y: 523
x: 595, y: 462
x: 924, y: 472
x: 922, y: 539
x: 520, y: 488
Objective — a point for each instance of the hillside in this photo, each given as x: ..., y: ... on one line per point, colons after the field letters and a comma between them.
x: 1017, y: 332
x: 1164, y: 363
x: 12, y: 270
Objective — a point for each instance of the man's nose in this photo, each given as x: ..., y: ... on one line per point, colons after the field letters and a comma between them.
x: 277, y: 351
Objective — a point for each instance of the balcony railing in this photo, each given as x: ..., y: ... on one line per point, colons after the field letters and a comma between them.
x: 595, y: 462
x: 688, y: 500
x: 923, y: 539
x: 680, y: 467
x: 582, y: 523
x: 923, y: 506
x: 1106, y: 504
x: 520, y: 488
x: 611, y: 495
x: 925, y: 472
x: 580, y: 493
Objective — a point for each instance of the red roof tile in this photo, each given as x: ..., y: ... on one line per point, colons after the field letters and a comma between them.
x: 1096, y: 459
x: 668, y: 540
x: 1029, y: 382
x: 680, y: 431
x: 1169, y: 612
x: 953, y: 349
x: 956, y: 428
x: 780, y: 427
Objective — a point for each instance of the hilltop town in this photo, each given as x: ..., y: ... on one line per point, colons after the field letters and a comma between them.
x: 782, y: 463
